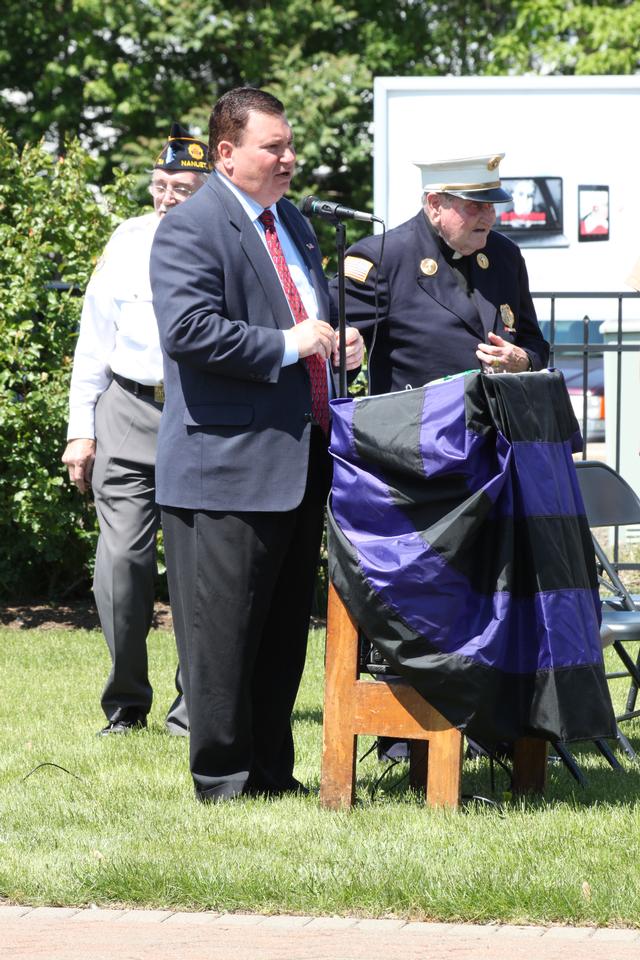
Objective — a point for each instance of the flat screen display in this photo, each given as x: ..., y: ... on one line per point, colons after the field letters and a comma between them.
x: 593, y: 212
x: 535, y: 208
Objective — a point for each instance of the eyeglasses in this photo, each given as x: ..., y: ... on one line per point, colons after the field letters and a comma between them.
x: 471, y: 207
x: 179, y: 191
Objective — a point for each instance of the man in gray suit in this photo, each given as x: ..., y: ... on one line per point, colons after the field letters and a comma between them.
x: 243, y: 471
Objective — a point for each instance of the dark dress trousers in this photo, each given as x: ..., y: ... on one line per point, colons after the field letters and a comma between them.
x: 433, y: 310
x: 242, y: 477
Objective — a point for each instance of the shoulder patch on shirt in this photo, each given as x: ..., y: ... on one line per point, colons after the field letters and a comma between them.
x: 99, y: 264
x: 356, y: 268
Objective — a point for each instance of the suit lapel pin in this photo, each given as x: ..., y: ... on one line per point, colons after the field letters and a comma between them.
x: 310, y: 246
x: 483, y: 261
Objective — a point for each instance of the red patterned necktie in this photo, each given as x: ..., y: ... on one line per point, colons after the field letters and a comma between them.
x: 315, y: 364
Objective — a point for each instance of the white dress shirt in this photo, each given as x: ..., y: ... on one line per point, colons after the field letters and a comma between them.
x: 118, y: 329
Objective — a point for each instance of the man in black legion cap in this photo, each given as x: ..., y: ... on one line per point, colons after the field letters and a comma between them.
x: 115, y: 404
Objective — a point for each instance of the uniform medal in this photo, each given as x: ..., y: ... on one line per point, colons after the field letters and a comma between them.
x: 506, y: 314
x: 429, y: 267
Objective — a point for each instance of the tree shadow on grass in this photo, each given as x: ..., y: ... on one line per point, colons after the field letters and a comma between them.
x: 79, y: 615
x: 308, y: 715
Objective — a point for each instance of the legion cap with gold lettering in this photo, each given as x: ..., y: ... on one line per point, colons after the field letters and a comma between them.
x: 182, y: 152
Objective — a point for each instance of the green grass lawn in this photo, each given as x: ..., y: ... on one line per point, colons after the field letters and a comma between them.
x: 112, y: 821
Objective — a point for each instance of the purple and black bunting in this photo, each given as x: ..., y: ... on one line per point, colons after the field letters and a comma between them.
x: 458, y: 541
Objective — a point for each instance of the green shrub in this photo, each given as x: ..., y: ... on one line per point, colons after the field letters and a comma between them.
x: 52, y: 230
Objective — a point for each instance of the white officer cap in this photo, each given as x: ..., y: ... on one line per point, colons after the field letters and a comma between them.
x: 474, y: 178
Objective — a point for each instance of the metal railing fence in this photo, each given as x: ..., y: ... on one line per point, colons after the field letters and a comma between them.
x: 587, y: 349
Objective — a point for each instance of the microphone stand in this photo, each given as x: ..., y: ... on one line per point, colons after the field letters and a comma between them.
x: 342, y: 315
x: 334, y: 213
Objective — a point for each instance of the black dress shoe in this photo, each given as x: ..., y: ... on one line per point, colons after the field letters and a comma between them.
x: 391, y: 749
x: 124, y: 720
x: 176, y: 728
x: 296, y: 788
x: 292, y: 786
x: 220, y: 794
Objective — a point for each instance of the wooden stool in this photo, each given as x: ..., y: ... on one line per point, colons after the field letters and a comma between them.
x: 394, y: 709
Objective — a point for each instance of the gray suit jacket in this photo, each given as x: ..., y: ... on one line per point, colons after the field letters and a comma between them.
x: 235, y: 428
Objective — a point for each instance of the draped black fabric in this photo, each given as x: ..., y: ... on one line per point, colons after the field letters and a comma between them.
x: 458, y: 540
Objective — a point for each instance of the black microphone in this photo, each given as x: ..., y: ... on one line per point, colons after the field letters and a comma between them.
x: 312, y: 207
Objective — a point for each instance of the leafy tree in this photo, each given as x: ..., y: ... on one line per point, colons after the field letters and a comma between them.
x: 571, y: 37
x: 116, y: 74
x: 51, y: 231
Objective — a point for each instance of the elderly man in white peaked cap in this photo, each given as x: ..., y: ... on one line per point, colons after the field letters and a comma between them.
x: 444, y: 293
x: 452, y: 294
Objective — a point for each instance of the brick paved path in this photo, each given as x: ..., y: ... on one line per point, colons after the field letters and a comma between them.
x: 49, y: 933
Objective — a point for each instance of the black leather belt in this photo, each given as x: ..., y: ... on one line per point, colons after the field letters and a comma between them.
x: 145, y: 390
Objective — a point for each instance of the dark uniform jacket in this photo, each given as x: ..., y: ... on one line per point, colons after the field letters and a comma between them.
x: 434, y: 310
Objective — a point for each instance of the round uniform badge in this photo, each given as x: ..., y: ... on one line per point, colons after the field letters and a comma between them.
x: 195, y: 150
x: 428, y: 266
x: 483, y: 261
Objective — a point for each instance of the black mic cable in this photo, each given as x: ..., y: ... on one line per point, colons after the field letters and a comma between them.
x: 376, y: 308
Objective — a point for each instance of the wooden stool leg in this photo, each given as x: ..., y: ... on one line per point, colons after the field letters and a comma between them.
x: 337, y: 787
x: 338, y: 784
x: 529, y: 765
x: 353, y: 707
x: 444, y: 770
